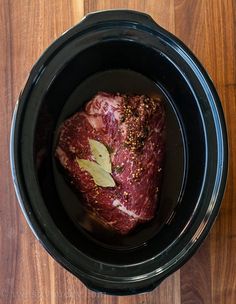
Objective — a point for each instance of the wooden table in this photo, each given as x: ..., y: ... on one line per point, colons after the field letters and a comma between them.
x: 27, y: 273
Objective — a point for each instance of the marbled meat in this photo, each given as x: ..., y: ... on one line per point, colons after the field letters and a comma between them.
x: 133, y: 130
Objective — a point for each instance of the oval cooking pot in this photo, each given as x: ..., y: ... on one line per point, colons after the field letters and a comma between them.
x: 121, y: 50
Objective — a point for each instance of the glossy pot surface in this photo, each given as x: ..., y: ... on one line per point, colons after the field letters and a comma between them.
x: 120, y: 51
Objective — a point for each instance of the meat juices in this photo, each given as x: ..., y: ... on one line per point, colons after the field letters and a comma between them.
x: 132, y: 129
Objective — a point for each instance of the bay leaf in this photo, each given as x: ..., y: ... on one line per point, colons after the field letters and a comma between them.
x: 101, y: 154
x: 100, y: 176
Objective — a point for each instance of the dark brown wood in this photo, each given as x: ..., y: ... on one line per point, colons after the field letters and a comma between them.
x: 27, y: 273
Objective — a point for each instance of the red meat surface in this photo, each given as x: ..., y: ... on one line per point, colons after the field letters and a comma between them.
x: 132, y: 128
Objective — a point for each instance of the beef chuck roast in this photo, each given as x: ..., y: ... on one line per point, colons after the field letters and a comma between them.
x: 132, y: 129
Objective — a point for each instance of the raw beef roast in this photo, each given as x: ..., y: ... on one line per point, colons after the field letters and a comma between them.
x: 122, y: 189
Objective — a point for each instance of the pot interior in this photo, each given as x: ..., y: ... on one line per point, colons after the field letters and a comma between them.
x: 125, y: 67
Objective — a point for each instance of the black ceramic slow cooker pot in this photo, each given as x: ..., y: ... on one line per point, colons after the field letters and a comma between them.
x: 120, y: 51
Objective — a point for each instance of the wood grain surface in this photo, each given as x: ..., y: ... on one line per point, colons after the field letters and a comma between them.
x: 27, y: 273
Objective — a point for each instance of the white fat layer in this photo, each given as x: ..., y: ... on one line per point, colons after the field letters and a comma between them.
x: 95, y: 121
x: 102, y: 106
x: 117, y: 203
x: 62, y: 156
